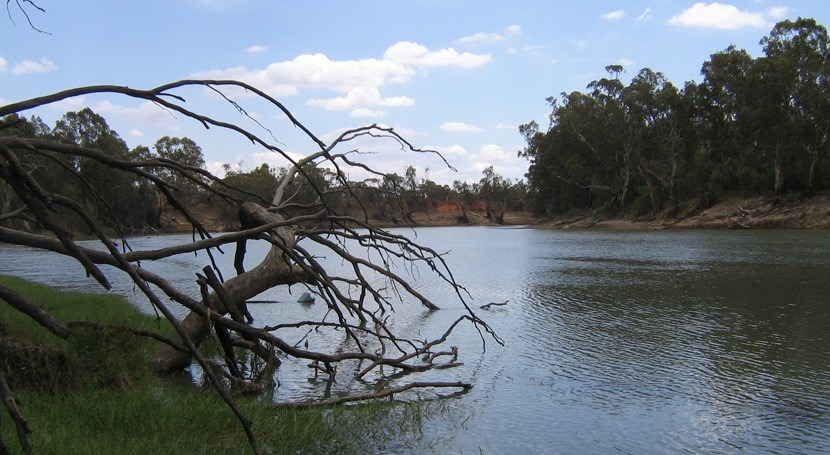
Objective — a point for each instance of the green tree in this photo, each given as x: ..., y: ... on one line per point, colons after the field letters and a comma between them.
x: 188, y: 160
x: 796, y: 72
x: 120, y: 199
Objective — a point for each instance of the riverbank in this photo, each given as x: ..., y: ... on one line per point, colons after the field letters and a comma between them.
x: 95, y: 393
x: 731, y: 212
x: 735, y: 212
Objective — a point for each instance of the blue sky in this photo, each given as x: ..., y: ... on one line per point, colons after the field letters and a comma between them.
x: 456, y: 76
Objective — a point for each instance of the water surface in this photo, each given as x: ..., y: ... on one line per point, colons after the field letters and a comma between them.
x: 616, y: 342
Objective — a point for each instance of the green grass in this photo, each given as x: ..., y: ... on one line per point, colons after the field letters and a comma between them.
x: 95, y: 393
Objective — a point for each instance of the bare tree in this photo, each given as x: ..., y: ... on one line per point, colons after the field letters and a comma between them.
x: 358, y: 306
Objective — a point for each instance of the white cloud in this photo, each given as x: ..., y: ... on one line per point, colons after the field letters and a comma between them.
x: 136, y: 133
x: 360, y: 99
x: 147, y: 114
x: 646, y: 16
x: 452, y: 153
x: 397, y: 101
x: 75, y: 103
x: 504, y: 126
x: 256, y: 49
x: 459, y: 127
x: 778, y: 12
x: 31, y: 66
x: 274, y: 160
x: 625, y: 62
x: 494, y: 153
x: 483, y: 37
x: 414, y: 54
x: 614, y: 15
x: 725, y: 16
x: 4, y: 66
x: 286, y: 78
x: 359, y: 81
x: 358, y: 96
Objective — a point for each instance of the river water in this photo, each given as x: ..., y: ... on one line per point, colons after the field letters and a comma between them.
x: 615, y: 342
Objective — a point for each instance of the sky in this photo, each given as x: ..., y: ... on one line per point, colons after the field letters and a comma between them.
x: 455, y: 76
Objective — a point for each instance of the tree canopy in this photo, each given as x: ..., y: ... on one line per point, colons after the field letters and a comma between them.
x: 753, y: 125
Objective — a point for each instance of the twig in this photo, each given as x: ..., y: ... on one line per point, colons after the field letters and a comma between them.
x: 492, y: 304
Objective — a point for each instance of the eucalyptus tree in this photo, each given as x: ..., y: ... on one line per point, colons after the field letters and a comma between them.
x: 654, y: 120
x: 359, y: 299
x: 185, y: 152
x: 796, y: 76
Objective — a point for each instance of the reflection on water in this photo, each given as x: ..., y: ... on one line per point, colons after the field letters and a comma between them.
x: 631, y: 342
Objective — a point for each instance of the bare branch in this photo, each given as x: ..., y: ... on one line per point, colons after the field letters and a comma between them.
x: 359, y: 299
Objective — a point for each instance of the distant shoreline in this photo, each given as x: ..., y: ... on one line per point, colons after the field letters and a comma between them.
x: 789, y: 212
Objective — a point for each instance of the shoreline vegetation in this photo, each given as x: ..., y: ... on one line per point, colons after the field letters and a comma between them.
x: 94, y: 392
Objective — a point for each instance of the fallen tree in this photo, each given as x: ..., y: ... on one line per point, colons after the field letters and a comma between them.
x: 358, y: 301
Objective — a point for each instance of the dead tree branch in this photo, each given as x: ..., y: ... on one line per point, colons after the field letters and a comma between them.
x: 359, y: 300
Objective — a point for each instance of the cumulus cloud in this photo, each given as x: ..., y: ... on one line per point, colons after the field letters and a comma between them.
x: 645, y: 16
x: 256, y: 49
x: 3, y: 65
x: 359, y: 81
x: 460, y: 127
x: 397, y: 101
x: 31, y: 66
x: 413, y: 54
x: 614, y: 15
x: 495, y: 153
x: 726, y: 16
x: 360, y: 100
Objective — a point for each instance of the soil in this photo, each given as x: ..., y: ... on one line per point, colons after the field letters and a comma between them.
x: 733, y: 212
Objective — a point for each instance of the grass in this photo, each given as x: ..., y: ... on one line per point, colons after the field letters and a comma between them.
x: 95, y: 393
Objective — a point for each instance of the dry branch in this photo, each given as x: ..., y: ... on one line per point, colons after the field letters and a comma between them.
x: 353, y: 298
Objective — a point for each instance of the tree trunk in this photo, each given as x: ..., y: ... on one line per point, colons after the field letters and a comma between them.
x: 274, y: 270
x: 778, y: 162
x: 811, y: 177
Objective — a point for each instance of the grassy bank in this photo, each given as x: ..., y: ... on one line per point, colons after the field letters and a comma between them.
x: 95, y: 393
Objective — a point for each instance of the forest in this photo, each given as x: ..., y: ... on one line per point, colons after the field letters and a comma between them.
x: 752, y: 126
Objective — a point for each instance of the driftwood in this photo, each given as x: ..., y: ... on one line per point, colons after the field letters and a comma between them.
x: 492, y: 304
x: 383, y: 393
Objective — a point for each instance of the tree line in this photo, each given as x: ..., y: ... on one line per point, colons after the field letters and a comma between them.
x: 118, y: 199
x: 755, y: 126
x: 131, y: 204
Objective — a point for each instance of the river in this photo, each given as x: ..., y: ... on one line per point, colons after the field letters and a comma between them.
x: 615, y: 341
